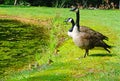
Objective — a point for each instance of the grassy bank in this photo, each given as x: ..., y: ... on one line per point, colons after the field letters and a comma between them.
x: 99, y: 65
x: 19, y: 45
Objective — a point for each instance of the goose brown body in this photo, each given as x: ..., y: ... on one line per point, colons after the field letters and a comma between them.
x: 93, y: 32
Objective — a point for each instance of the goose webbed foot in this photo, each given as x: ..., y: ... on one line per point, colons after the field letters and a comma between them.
x: 107, y: 50
x: 79, y: 57
x: 86, y: 54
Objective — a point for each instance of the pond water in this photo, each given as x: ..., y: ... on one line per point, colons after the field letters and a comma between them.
x: 19, y: 43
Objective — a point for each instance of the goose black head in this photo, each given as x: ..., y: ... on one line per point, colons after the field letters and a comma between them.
x: 72, y: 22
x: 69, y: 20
x: 75, y: 9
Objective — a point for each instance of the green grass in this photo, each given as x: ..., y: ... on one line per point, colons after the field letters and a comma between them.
x: 19, y: 44
x: 98, y: 66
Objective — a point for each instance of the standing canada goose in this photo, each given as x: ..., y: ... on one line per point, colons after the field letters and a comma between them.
x: 84, y: 39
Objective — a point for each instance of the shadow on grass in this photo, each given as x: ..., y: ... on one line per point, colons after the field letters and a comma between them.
x: 102, y: 55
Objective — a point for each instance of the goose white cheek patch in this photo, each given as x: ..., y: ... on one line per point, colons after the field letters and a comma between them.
x: 69, y: 20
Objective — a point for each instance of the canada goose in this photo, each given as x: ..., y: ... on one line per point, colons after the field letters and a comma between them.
x: 84, y: 39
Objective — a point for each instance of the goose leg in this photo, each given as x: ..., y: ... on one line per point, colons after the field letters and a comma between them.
x: 86, y: 52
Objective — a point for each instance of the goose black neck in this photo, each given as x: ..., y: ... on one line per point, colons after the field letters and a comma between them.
x: 77, y: 19
x: 73, y: 24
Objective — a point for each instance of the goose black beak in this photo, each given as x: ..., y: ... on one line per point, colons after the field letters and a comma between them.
x: 65, y: 21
